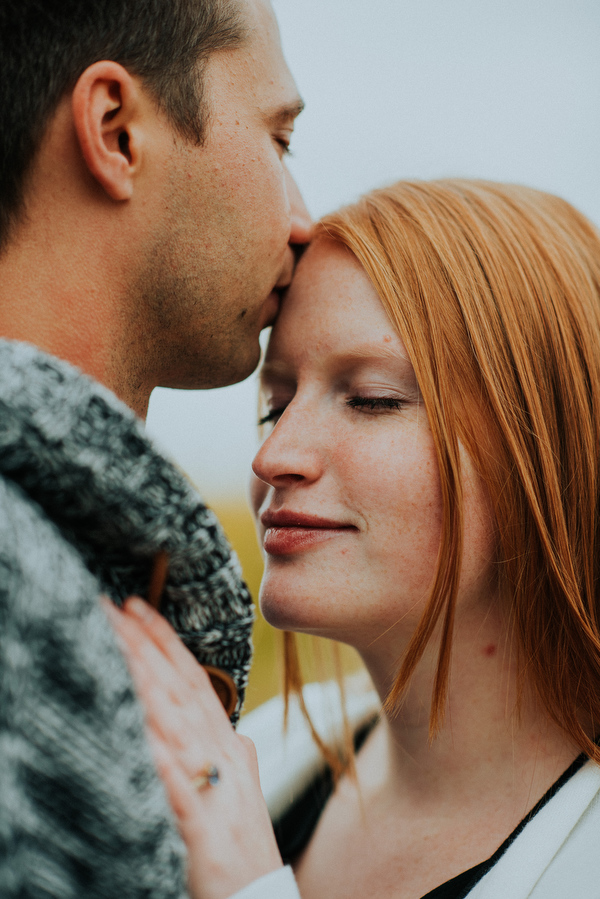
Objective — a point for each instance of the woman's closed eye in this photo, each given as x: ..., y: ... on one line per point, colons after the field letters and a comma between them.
x: 369, y: 404
x: 272, y: 416
x: 376, y: 404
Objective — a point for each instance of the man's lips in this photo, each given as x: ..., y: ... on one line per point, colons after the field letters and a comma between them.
x: 288, y: 532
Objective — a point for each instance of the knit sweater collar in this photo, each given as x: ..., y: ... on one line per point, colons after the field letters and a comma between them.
x: 82, y: 455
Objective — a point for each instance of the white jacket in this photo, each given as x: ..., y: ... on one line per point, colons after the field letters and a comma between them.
x: 556, y: 855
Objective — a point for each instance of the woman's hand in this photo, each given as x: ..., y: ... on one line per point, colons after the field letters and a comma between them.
x: 225, y: 826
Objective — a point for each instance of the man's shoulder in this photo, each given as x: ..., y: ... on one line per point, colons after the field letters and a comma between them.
x: 35, y: 558
x: 74, y: 762
x: 54, y: 634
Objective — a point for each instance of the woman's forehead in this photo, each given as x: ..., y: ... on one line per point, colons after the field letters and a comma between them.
x: 332, y: 319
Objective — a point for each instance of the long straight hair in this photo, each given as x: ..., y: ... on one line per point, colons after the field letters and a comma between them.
x: 495, y: 292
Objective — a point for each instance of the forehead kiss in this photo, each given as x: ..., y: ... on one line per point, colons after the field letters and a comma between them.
x: 344, y: 326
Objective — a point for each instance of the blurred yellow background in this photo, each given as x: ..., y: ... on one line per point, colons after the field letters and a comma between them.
x: 265, y: 680
x: 265, y: 676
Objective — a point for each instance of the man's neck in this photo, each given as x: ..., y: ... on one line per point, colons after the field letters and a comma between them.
x: 64, y: 303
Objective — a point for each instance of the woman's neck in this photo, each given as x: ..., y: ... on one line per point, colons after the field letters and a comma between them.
x: 489, y: 742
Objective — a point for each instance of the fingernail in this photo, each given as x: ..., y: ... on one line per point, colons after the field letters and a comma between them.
x: 138, y: 608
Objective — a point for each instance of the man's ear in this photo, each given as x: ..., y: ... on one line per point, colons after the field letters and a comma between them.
x: 106, y: 109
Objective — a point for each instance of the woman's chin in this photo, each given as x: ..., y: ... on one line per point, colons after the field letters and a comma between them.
x: 287, y: 611
x: 278, y: 614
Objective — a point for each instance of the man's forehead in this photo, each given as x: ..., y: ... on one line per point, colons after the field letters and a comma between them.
x: 256, y: 71
x: 258, y: 11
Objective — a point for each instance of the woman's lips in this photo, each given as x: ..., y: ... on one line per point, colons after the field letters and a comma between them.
x: 290, y: 532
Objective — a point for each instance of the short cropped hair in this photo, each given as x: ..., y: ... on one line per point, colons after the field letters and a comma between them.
x: 45, y: 45
x: 495, y: 292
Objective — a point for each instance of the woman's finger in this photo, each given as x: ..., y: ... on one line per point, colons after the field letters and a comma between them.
x: 165, y: 638
x: 163, y: 652
x: 224, y: 820
x: 152, y: 629
x: 188, y: 717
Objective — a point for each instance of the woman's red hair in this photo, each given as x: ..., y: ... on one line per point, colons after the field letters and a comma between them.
x: 495, y: 291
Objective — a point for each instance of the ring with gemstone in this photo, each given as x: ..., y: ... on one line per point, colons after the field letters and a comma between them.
x: 207, y: 777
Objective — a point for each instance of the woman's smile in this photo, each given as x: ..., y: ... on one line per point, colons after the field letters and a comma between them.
x: 287, y: 532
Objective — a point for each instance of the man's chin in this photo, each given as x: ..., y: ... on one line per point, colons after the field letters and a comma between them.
x: 270, y: 309
x: 234, y: 369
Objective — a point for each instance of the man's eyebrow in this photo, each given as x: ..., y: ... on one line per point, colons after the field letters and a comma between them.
x: 284, y: 114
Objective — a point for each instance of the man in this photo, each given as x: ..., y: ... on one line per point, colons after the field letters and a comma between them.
x: 147, y: 223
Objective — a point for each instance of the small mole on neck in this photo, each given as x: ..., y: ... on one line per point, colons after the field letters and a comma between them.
x: 490, y: 650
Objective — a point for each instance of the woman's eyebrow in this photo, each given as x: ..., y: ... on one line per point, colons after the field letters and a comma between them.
x: 280, y: 371
x: 378, y: 351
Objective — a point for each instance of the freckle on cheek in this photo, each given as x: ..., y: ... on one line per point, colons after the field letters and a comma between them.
x: 490, y: 650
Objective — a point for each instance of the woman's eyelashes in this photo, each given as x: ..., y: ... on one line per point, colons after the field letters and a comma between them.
x: 369, y: 404
x: 376, y: 403
x: 271, y: 417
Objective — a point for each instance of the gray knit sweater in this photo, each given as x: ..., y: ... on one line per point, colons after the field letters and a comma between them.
x: 86, y: 502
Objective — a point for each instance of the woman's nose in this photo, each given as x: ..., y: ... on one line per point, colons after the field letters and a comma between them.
x: 290, y: 454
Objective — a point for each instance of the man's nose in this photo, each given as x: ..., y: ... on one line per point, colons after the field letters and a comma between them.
x: 301, y: 225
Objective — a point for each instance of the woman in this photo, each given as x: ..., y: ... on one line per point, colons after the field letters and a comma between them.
x: 429, y: 495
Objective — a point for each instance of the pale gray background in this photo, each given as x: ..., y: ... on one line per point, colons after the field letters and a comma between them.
x: 501, y: 89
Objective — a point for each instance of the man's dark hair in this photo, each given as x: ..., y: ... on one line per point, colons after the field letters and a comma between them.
x: 45, y: 45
